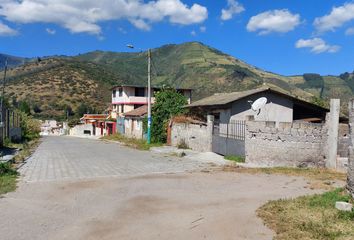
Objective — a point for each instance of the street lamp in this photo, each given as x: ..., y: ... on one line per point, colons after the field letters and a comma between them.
x: 149, y: 93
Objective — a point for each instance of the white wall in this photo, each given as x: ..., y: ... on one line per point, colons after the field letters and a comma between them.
x: 277, y: 109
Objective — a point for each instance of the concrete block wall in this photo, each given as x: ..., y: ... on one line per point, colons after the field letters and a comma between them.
x: 343, y: 140
x: 288, y: 144
x: 197, y: 137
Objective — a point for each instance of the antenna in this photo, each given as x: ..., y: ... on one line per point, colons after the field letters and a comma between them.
x: 259, y: 104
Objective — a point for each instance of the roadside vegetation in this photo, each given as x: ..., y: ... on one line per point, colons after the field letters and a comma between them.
x: 27, y: 144
x: 139, y: 144
x: 319, y: 174
x: 168, y: 103
x: 238, y: 159
x: 8, y: 178
x: 310, y: 217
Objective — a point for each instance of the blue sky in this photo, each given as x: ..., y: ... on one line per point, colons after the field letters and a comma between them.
x: 283, y: 36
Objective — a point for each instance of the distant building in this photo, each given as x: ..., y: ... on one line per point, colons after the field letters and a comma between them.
x: 280, y: 107
x: 51, y: 127
x: 133, y: 122
x: 126, y: 98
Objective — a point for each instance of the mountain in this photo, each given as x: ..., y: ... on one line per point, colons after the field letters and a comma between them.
x: 12, y: 61
x: 191, y: 65
x: 54, y: 84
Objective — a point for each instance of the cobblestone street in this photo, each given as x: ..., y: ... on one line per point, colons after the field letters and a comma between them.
x: 69, y: 158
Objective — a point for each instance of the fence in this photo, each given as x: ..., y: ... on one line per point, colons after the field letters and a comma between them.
x: 235, y: 129
x: 9, y: 125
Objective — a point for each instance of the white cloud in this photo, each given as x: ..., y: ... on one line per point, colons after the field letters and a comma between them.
x: 317, y: 45
x: 349, y: 31
x: 141, y: 24
x: 281, y: 21
x: 84, y: 16
x: 233, y: 7
x: 122, y: 30
x: 193, y: 33
x: 337, y: 17
x: 203, y: 29
x: 6, y: 30
x: 50, y: 31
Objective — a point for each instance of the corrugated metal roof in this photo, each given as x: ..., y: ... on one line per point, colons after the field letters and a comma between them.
x: 225, y: 98
x: 220, y: 99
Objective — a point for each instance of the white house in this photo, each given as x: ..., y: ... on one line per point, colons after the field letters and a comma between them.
x: 126, y: 98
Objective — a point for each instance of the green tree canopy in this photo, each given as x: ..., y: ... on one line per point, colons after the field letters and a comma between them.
x: 168, y: 103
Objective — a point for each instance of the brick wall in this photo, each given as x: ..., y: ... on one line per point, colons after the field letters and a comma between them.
x: 289, y: 144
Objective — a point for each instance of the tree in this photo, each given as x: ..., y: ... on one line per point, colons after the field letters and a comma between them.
x: 37, y: 109
x: 24, y: 107
x: 168, y: 103
x: 83, y: 109
x: 30, y: 127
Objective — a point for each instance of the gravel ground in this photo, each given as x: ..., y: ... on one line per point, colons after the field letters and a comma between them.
x: 122, y: 202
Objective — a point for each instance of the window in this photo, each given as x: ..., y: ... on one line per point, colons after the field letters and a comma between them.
x: 137, y: 106
x: 122, y: 108
x: 120, y: 91
x: 114, y: 93
x: 139, y: 92
x: 138, y: 125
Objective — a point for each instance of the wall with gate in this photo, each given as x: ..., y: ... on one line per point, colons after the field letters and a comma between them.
x: 289, y: 144
x: 229, y: 139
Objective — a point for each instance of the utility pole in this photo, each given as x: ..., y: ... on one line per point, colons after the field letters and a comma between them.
x: 2, y: 125
x: 149, y: 94
x: 149, y: 98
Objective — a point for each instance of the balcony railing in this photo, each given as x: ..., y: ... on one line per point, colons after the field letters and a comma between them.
x: 131, y: 100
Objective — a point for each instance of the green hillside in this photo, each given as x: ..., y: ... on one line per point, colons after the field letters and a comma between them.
x: 54, y: 84
x: 190, y: 65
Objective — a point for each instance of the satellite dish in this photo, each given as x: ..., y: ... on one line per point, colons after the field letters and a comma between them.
x: 259, y: 104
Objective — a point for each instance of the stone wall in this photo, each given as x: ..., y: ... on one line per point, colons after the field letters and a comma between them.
x: 197, y: 137
x: 289, y: 144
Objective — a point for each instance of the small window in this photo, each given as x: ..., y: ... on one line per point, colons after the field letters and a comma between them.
x: 122, y: 108
x: 114, y: 93
x: 139, y: 92
x: 120, y: 91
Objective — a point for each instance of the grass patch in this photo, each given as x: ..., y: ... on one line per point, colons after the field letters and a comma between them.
x: 26, y: 149
x: 309, y: 217
x: 319, y: 178
x: 310, y: 173
x: 140, y: 144
x: 238, y: 159
x: 8, y: 178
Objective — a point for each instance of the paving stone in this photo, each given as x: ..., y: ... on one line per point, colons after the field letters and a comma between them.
x: 66, y: 158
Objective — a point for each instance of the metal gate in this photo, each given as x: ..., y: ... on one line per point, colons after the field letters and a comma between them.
x: 229, y: 139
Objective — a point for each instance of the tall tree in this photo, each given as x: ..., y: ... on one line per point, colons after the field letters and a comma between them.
x: 168, y: 103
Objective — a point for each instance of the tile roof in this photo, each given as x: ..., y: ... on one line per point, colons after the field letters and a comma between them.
x: 139, y: 112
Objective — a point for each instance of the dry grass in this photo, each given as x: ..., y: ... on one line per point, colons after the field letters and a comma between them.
x: 319, y: 178
x: 309, y: 217
x: 131, y: 142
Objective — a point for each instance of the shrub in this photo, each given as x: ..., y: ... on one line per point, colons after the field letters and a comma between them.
x: 30, y: 127
x: 6, y: 169
x: 182, y: 144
